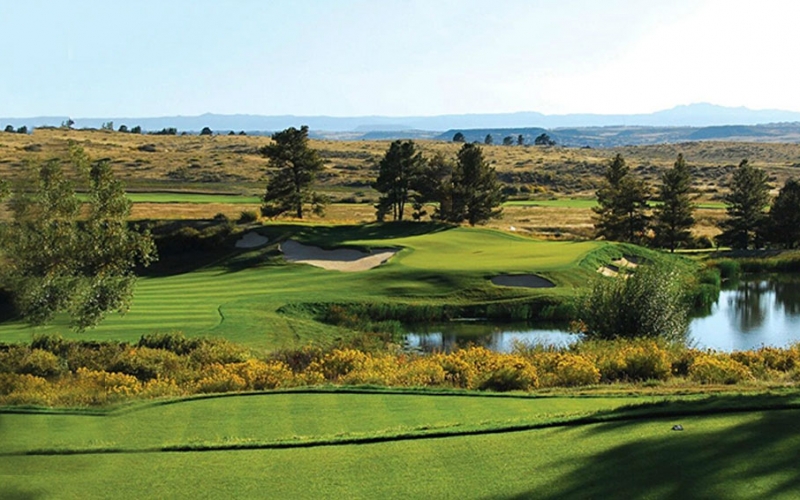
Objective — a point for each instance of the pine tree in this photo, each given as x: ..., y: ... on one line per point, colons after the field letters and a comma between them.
x: 784, y: 216
x: 476, y: 192
x: 674, y: 219
x: 398, y: 170
x: 290, y: 188
x: 745, y: 202
x: 622, y: 204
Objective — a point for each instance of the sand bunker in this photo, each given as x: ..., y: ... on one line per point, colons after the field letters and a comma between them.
x: 339, y: 259
x: 252, y: 240
x: 626, y: 262
x: 522, y: 280
x: 610, y: 271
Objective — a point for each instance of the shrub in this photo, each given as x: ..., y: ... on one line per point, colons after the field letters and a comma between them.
x: 220, y: 351
x: 145, y: 363
x: 719, y: 369
x: 174, y: 341
x: 41, y: 363
x: 508, y: 373
x: 219, y: 378
x: 646, y: 362
x: 728, y: 268
x: 247, y: 216
x: 650, y: 303
x: 575, y: 370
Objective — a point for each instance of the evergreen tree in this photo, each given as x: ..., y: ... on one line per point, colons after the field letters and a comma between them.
x: 520, y: 140
x: 622, y: 204
x: 784, y: 216
x: 488, y: 140
x: 674, y: 219
x: 397, y: 174
x: 745, y: 202
x: 290, y: 188
x: 459, y: 137
x: 476, y: 192
x: 54, y: 263
x: 435, y: 185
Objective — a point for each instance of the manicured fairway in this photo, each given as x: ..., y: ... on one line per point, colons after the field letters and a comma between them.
x: 749, y: 454
x: 239, y: 298
x: 192, y: 198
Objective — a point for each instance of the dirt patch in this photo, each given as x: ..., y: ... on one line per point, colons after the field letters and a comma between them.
x: 252, y: 240
x: 339, y: 259
x: 522, y: 280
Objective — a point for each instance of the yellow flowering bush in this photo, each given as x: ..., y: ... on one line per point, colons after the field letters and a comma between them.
x: 719, y: 369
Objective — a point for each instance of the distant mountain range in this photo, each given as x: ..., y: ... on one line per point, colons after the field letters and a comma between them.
x: 681, y: 123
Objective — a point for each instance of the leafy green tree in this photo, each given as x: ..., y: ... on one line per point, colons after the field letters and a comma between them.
x: 459, y: 137
x: 674, y: 219
x: 22, y: 130
x: 9, y: 128
x: 123, y: 128
x: 136, y: 129
x: 476, y: 195
x: 298, y: 165
x: 56, y: 263
x: 745, y: 203
x: 488, y: 140
x: 621, y: 204
x: 397, y: 174
x: 784, y: 216
x: 206, y: 131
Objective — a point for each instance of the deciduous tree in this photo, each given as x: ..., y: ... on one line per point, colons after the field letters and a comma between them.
x: 298, y: 165
x: 56, y: 263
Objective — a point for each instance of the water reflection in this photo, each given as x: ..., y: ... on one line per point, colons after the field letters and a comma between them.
x: 750, y: 313
x: 447, y: 337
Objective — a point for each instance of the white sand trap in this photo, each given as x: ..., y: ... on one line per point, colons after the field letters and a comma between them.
x: 608, y: 271
x: 252, y: 240
x: 339, y: 259
x: 522, y: 280
x: 626, y: 262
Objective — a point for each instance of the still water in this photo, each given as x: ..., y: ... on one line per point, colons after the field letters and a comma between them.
x: 758, y: 311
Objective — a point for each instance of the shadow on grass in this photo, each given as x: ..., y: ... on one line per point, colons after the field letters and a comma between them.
x: 756, y: 457
x: 13, y: 493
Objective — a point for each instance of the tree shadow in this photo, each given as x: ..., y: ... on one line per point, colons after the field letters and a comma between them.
x: 758, y: 457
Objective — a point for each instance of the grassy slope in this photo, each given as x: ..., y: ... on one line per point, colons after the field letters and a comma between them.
x: 239, y: 298
x: 752, y: 454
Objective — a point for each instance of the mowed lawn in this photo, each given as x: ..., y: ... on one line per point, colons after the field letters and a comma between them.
x: 239, y: 298
x: 746, y: 454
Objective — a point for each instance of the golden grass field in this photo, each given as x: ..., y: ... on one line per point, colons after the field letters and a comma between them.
x: 232, y: 164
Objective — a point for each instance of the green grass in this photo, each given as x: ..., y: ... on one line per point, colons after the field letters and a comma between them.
x: 192, y: 198
x: 586, y: 203
x: 739, y: 446
x: 239, y: 298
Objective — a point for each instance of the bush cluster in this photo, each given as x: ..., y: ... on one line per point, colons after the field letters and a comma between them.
x: 55, y: 372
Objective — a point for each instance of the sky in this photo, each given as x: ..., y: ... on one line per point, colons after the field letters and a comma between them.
x: 101, y: 58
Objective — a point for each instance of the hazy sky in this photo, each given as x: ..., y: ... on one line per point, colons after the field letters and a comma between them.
x: 107, y: 58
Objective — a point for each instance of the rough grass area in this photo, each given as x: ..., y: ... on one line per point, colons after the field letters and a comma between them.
x: 239, y: 297
x: 737, y: 446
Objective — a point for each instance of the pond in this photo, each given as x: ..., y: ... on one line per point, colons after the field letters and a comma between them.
x: 753, y: 312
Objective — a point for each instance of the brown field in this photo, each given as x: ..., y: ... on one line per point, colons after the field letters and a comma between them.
x: 232, y: 164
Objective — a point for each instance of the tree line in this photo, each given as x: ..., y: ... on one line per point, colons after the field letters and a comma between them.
x: 624, y: 213
x: 464, y: 188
